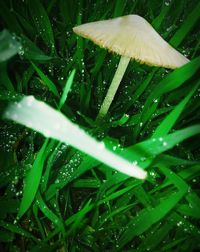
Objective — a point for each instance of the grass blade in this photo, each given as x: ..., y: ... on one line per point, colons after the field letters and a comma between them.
x: 46, y: 80
x: 186, y: 27
x: 32, y: 181
x: 173, y: 81
x: 67, y: 89
x: 146, y: 218
x: 167, y: 124
x: 42, y: 23
x: 53, y: 124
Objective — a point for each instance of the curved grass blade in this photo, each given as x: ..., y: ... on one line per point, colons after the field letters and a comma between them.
x: 42, y: 23
x: 17, y: 230
x: 169, y: 121
x: 172, y: 81
x: 146, y: 218
x: 48, y: 213
x: 162, y: 15
x: 67, y: 89
x: 31, y: 51
x: 46, y: 80
x: 32, y: 181
x: 86, y: 164
x: 51, y: 123
x: 186, y: 27
x: 144, y: 152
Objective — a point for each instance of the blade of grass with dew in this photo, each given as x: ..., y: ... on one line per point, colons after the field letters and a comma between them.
x: 54, y: 124
x: 32, y: 181
x: 17, y: 229
x: 67, y: 89
x: 173, y: 160
x: 109, y: 216
x: 48, y: 213
x: 145, y: 219
x: 172, y: 81
x: 52, y: 87
x: 141, y: 88
x: 80, y: 217
x: 135, y: 119
x: 188, y: 210
x: 143, y: 152
x: 87, y: 183
x: 39, y: 224
x: 79, y: 51
x: 99, y: 62
x: 169, y: 121
x: 42, y: 23
x: 117, y: 194
x: 185, y: 174
x: 82, y: 212
x: 48, y: 167
x: 174, y: 178
x: 193, y: 204
x: 155, y: 238
x: 65, y: 12
x: 31, y: 51
x: 85, y: 95
x: 142, y: 196
x: 89, y: 207
x: 86, y: 164
x: 27, y: 75
x: 189, y: 23
x: 149, y: 216
x: 162, y: 15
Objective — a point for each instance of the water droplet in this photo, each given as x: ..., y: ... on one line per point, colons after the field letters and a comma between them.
x: 164, y: 143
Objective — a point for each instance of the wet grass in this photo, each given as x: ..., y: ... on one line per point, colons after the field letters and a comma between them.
x: 67, y: 200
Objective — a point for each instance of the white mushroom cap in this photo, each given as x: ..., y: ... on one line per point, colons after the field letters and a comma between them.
x: 132, y: 36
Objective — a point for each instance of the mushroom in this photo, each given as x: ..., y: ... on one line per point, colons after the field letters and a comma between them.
x: 132, y: 37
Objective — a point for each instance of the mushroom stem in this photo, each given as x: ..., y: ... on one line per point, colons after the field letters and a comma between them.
x: 123, y: 63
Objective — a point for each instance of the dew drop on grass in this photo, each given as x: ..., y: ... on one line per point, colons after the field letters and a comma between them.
x: 179, y: 223
x: 153, y: 174
x: 21, y: 51
x: 167, y: 3
x: 114, y: 148
x: 143, y: 159
x: 164, y: 143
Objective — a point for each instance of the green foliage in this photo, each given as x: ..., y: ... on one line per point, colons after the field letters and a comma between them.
x: 54, y: 197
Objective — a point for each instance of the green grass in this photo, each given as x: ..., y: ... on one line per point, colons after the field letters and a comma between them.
x: 54, y: 197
